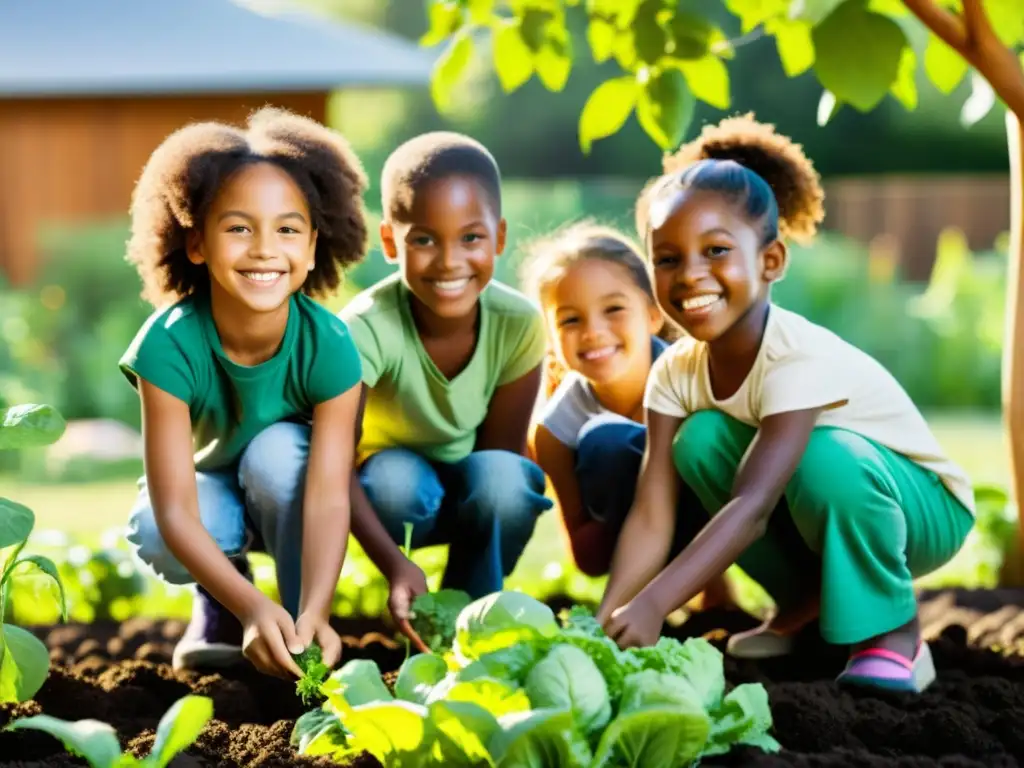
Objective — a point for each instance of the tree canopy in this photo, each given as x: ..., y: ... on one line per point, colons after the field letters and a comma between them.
x: 664, y: 56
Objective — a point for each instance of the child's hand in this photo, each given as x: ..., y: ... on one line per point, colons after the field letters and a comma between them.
x: 310, y: 627
x: 269, y: 639
x: 636, y: 624
x: 407, y: 583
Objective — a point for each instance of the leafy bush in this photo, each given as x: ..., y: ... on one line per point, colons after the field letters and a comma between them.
x: 518, y: 689
x: 24, y: 660
x: 97, y: 742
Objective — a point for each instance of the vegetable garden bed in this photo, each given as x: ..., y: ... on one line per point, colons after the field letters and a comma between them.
x: 973, y: 716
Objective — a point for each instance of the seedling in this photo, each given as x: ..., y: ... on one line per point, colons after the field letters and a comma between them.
x: 24, y: 660
x: 314, y: 672
x: 97, y: 743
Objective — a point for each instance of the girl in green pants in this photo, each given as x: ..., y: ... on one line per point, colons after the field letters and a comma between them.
x: 820, y: 476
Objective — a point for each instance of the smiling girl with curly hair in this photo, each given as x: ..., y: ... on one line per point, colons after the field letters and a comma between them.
x: 233, y: 230
x: 820, y: 476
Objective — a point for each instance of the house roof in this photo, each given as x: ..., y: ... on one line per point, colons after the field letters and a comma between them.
x: 129, y: 47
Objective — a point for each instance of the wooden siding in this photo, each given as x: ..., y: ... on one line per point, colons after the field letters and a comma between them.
x: 69, y: 160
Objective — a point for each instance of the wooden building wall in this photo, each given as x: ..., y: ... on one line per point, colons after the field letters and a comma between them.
x: 68, y: 160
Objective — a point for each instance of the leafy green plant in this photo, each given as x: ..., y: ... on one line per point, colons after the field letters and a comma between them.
x: 97, y: 742
x: 24, y: 660
x: 433, y: 617
x: 520, y: 689
x: 314, y: 672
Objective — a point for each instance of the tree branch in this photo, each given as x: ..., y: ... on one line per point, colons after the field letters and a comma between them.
x: 976, y: 23
x: 947, y: 26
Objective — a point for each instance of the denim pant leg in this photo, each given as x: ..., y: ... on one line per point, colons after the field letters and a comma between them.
x: 272, y: 476
x: 403, y: 487
x: 609, y: 453
x: 221, y: 511
x: 493, y: 501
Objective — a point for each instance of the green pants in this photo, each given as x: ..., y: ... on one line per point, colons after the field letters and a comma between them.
x: 868, y: 519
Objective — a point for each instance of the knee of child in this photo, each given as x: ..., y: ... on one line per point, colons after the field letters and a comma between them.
x: 273, y: 467
x: 695, y: 444
x: 505, y: 487
x: 601, y: 444
x: 400, y: 484
x: 148, y: 546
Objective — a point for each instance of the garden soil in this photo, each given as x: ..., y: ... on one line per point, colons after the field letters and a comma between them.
x: 973, y: 715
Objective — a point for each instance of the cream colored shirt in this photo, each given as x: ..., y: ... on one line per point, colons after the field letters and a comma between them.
x: 802, y: 365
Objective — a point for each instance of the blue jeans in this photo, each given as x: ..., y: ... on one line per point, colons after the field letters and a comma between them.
x: 608, y: 457
x: 261, y: 500
x: 484, y: 506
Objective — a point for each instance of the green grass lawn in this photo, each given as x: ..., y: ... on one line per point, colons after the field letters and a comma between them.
x: 87, y: 511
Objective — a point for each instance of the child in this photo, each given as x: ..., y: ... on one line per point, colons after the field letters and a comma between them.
x: 603, y: 322
x: 451, y: 359
x: 232, y: 231
x: 821, y: 477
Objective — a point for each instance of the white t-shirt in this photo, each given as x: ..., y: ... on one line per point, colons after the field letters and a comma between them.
x: 802, y: 365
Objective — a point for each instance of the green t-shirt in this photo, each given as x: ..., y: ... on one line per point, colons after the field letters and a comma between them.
x: 410, y: 403
x: 178, y: 350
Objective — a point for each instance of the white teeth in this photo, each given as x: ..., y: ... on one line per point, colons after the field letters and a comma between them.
x: 262, y: 277
x: 451, y: 285
x: 699, y: 302
x: 598, y: 354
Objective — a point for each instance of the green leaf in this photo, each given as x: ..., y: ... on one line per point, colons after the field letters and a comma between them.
x: 397, y: 733
x: 480, y: 11
x: 755, y: 12
x: 512, y: 58
x: 894, y: 8
x: 979, y: 103
x: 418, y: 676
x: 553, y: 61
x: 93, y: 740
x: 497, y: 697
x: 708, y: 80
x: 601, y: 37
x: 690, y: 36
x: 945, y: 67
x: 793, y: 40
x: 47, y: 566
x: 179, y: 728
x: 449, y: 68
x: 665, y: 108
x: 606, y: 110
x: 905, y: 87
x: 857, y: 54
x: 541, y: 737
x: 30, y: 426
x: 649, y: 37
x: 16, y: 522
x: 312, y: 725
x: 464, y: 729
x: 1007, y: 19
x: 445, y: 19
x: 24, y: 666
x: 814, y: 11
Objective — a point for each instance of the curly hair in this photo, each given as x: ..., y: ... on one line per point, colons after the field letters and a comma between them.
x: 430, y: 157
x: 549, y: 257
x: 183, y: 175
x: 750, y: 162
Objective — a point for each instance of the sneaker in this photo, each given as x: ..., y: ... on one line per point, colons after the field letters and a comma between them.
x: 888, y: 670
x: 213, y: 637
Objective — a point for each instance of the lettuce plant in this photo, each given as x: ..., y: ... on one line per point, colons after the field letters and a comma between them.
x: 97, y: 742
x: 314, y: 672
x: 24, y: 660
x: 433, y: 617
x: 520, y: 690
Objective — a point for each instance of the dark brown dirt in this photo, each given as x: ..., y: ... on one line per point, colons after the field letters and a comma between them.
x: 973, y: 716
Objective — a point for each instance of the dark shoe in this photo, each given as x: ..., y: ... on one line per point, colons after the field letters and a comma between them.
x: 213, y: 637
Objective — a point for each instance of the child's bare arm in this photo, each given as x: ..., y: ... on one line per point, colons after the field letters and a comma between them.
x: 326, y: 512
x: 760, y: 482
x: 589, y: 540
x: 646, y: 537
x: 508, y: 415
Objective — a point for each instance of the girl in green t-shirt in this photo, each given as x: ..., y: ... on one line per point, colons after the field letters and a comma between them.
x: 232, y: 231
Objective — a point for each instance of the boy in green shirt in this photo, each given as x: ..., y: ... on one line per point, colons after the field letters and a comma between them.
x: 232, y: 231
x: 452, y: 363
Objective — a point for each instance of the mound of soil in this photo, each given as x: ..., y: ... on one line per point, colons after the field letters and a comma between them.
x: 973, y: 715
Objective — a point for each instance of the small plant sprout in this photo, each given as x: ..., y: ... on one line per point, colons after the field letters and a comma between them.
x: 314, y: 672
x: 24, y: 660
x: 97, y: 742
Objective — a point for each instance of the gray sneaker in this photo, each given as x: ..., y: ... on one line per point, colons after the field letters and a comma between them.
x: 213, y: 637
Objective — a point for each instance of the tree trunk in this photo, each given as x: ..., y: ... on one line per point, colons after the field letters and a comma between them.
x: 1013, y: 342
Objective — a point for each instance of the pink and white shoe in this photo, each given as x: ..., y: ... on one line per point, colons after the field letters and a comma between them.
x: 888, y: 670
